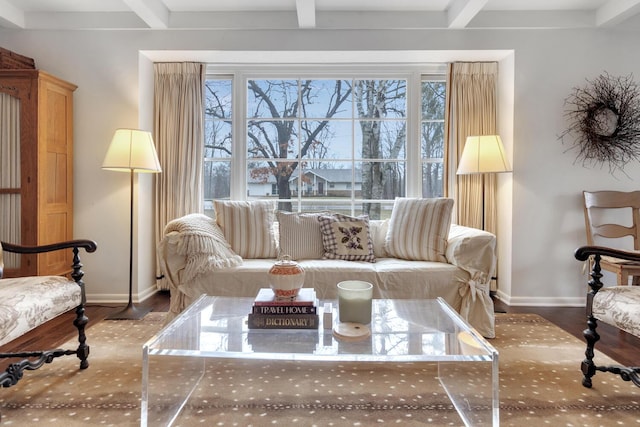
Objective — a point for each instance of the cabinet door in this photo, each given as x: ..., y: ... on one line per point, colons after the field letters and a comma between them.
x: 55, y: 171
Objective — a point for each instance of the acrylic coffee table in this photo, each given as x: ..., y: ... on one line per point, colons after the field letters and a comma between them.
x: 414, y: 331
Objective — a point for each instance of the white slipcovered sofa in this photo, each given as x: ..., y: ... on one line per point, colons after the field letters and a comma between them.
x: 230, y: 256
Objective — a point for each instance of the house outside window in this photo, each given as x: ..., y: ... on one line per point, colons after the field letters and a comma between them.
x: 350, y: 143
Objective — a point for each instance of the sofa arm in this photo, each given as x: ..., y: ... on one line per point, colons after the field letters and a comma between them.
x: 170, y: 260
x: 472, y: 250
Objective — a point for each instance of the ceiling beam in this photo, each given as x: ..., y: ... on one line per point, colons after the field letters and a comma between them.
x: 461, y: 12
x: 153, y: 12
x: 306, y: 13
x: 11, y: 15
x: 614, y: 12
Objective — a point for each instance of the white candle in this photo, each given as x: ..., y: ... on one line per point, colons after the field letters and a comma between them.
x: 354, y: 301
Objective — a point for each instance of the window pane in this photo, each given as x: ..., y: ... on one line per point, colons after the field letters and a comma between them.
x: 272, y: 98
x: 380, y: 139
x: 217, y: 139
x: 272, y: 139
x: 218, y: 98
x: 432, y: 140
x: 383, y: 180
x: 432, y: 137
x: 326, y: 140
x: 332, y: 180
x: 217, y: 123
x: 325, y: 98
x: 433, y: 100
x: 217, y: 180
x: 432, y: 179
x: 267, y: 178
x: 380, y: 98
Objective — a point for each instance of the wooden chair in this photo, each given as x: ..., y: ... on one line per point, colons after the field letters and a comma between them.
x: 595, y: 204
x: 27, y: 302
x: 614, y: 305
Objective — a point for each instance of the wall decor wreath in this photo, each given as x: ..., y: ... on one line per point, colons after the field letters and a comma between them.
x: 604, y: 121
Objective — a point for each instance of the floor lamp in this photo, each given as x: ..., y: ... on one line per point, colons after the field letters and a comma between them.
x: 132, y: 151
x: 482, y: 155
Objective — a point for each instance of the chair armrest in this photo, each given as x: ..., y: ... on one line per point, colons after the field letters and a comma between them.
x: 584, y: 252
x: 88, y: 245
x: 472, y: 250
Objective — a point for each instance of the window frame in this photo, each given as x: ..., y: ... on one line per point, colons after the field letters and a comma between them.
x: 414, y: 74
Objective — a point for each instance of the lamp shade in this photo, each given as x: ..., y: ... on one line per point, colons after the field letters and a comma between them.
x: 483, y: 154
x: 132, y: 150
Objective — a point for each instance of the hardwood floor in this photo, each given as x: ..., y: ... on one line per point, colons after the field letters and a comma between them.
x: 622, y: 347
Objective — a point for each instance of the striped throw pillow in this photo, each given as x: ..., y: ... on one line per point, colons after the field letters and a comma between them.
x: 419, y: 229
x: 300, y: 235
x: 248, y: 227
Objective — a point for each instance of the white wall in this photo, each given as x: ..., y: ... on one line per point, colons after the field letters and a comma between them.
x: 540, y: 205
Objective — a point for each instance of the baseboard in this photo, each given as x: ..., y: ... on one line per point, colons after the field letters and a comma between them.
x: 542, y: 301
x: 121, y: 298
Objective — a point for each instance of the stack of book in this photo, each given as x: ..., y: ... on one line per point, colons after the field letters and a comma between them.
x: 300, y: 312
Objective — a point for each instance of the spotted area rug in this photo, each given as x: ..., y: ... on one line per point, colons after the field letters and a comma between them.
x: 540, y: 384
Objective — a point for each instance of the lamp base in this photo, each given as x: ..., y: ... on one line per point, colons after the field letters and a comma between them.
x: 130, y: 312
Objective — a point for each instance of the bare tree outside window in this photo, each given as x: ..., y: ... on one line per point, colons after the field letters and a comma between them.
x: 322, y: 144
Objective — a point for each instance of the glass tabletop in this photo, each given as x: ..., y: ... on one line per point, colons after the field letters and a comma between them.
x: 401, y: 330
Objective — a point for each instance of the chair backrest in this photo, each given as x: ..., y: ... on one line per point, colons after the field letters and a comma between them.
x: 612, y: 200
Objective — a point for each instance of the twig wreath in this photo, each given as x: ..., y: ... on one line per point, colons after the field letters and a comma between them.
x: 604, y: 120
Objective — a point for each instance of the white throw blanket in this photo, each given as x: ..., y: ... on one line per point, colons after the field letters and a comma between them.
x: 203, y: 244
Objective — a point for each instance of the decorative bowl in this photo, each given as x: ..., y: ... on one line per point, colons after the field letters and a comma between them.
x: 286, y: 277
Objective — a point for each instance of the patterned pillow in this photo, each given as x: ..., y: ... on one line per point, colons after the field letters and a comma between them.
x: 345, y: 237
x: 419, y: 229
x: 300, y: 235
x: 248, y: 227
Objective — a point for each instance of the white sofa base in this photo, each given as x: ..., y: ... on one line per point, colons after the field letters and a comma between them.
x: 463, y: 282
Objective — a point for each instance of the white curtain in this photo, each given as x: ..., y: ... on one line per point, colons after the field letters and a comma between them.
x: 10, y: 206
x: 179, y: 136
x: 471, y: 110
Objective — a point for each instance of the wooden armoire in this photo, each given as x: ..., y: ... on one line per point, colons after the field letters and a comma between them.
x: 36, y: 168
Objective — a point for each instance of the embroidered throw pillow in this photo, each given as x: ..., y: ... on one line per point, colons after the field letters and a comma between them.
x: 419, y: 229
x: 248, y: 227
x: 346, y: 237
x: 300, y: 235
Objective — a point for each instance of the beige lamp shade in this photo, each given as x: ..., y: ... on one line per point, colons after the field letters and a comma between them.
x: 132, y: 150
x: 483, y: 154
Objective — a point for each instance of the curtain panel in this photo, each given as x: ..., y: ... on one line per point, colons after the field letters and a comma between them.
x: 179, y: 136
x: 471, y: 110
x: 10, y: 200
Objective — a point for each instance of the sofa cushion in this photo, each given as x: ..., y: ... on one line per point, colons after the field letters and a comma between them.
x: 419, y: 228
x: 23, y: 308
x: 618, y: 306
x: 300, y: 235
x: 346, y: 237
x: 248, y: 227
